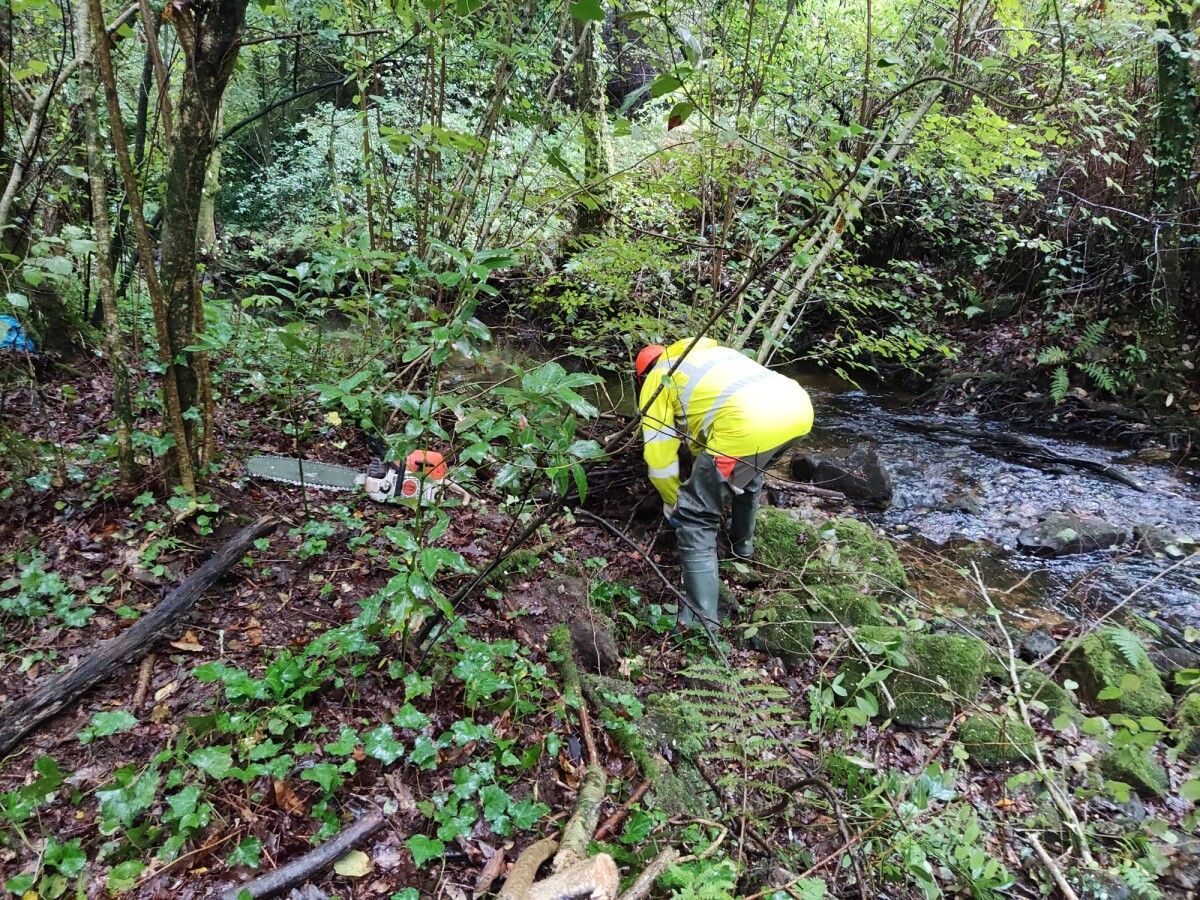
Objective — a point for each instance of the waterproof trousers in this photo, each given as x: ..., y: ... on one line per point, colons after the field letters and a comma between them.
x: 714, y: 482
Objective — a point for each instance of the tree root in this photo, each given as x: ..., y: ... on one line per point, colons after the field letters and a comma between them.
x: 641, y: 887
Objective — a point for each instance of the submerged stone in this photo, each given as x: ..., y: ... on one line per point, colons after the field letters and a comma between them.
x: 1062, y: 534
x: 1113, y: 662
x: 993, y: 741
x: 939, y: 674
x: 861, y: 475
x: 1137, y: 769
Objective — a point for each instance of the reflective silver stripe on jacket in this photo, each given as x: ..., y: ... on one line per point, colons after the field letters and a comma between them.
x: 668, y: 471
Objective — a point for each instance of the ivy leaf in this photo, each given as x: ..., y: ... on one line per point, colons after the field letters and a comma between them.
x: 410, y: 717
x: 124, y: 876
x: 104, y: 724
x: 587, y: 11
x: 381, y: 744
x: 664, y: 84
x: 213, y: 761
x: 324, y: 774
x: 248, y: 852
x: 424, y: 849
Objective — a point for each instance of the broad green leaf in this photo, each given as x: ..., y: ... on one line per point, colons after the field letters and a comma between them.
x: 424, y: 849
x: 587, y: 11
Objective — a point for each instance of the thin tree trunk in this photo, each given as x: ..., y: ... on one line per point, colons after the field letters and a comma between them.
x: 107, y: 303
x: 210, y: 48
x: 172, y: 407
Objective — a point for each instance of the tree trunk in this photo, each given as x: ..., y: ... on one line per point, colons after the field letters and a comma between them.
x: 592, y: 212
x: 1174, y: 147
x: 208, y: 203
x: 107, y: 304
x: 210, y: 47
x: 172, y: 408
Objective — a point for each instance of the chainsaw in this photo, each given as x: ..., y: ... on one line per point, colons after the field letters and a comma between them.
x: 419, y: 477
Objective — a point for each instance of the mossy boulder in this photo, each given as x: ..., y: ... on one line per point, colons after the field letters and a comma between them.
x: 1188, y: 724
x: 1137, y: 769
x: 993, y: 741
x: 838, y: 551
x: 928, y: 660
x: 783, y: 627
x: 1103, y: 661
x: 843, y: 604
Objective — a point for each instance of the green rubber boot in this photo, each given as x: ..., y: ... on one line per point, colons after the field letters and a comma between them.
x: 701, y: 586
x: 741, y: 527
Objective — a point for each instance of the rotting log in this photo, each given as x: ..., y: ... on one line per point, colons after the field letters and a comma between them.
x: 315, y: 861
x: 48, y: 699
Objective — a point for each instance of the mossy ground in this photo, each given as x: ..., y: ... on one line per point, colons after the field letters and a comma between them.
x: 929, y: 659
x: 1036, y: 687
x: 843, y: 604
x: 1188, y: 724
x: 1137, y: 769
x: 1100, y: 662
x: 992, y: 740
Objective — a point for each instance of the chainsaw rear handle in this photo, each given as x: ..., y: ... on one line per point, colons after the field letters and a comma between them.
x: 381, y: 480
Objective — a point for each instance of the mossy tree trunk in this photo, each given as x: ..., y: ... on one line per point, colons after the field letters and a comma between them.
x: 592, y: 214
x: 210, y: 40
x: 1174, y: 148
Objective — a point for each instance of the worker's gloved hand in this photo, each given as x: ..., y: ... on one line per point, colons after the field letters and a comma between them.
x: 669, y: 515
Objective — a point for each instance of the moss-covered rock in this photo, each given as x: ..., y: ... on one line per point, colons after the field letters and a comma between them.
x: 1137, y: 769
x: 843, y: 604
x: 993, y: 741
x: 1188, y: 724
x: 916, y: 684
x: 1102, y: 660
x: 783, y: 625
x: 838, y: 551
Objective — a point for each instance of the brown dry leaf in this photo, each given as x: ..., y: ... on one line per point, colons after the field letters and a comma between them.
x: 286, y: 800
x: 405, y: 801
x: 253, y: 632
x: 161, y: 713
x: 490, y: 872
x: 166, y: 691
x: 188, y: 642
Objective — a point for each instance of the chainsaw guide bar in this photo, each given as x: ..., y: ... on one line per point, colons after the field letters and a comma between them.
x: 302, y: 472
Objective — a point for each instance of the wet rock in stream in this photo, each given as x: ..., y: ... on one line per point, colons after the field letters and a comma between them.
x: 861, y: 475
x: 1066, y: 533
x: 1036, y: 646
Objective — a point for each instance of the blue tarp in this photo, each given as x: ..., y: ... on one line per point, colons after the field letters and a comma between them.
x: 13, y: 336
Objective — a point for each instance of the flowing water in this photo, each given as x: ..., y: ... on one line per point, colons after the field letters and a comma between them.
x: 969, y: 507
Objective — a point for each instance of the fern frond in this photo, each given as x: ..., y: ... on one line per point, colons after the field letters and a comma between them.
x: 1060, y: 384
x: 1101, y: 374
x: 1093, y: 334
x: 1140, y: 882
x: 1052, y: 356
x: 1130, y: 646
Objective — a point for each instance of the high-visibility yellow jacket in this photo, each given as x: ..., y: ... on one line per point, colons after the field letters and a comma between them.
x: 717, y: 400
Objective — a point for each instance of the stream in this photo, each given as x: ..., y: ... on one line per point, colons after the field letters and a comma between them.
x: 969, y: 507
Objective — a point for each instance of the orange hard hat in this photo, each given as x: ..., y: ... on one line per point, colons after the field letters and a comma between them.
x: 646, y: 357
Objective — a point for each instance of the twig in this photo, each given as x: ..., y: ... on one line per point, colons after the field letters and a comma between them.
x: 310, y: 863
x: 618, y: 817
x: 1052, y: 867
x: 143, y: 683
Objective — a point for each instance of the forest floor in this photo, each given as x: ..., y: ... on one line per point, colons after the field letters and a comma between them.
x: 98, y: 558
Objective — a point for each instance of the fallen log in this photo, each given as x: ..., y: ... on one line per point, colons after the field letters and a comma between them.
x: 48, y: 699
x: 315, y: 861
